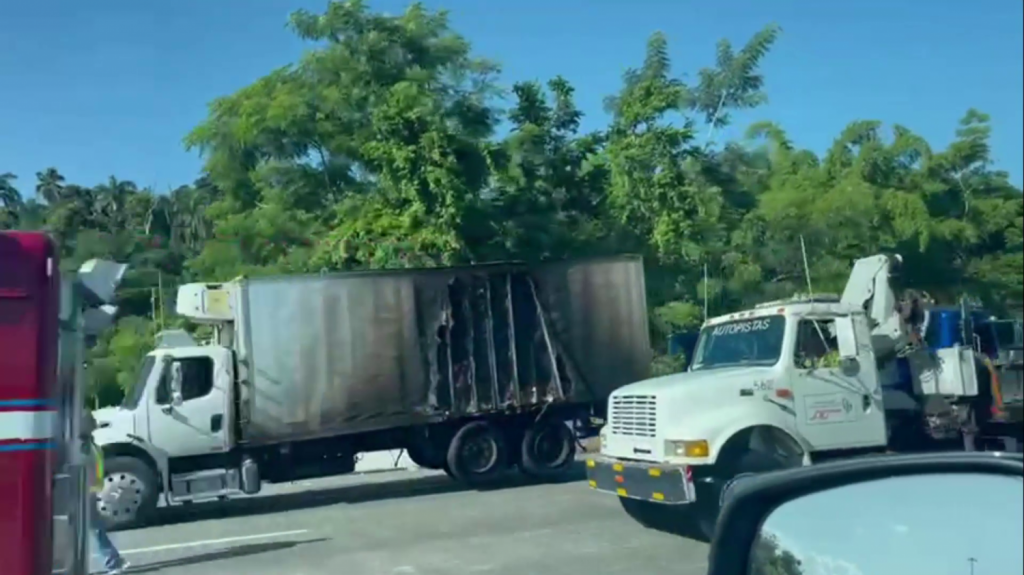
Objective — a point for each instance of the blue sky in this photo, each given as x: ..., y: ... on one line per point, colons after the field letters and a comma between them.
x: 907, y: 525
x: 111, y: 87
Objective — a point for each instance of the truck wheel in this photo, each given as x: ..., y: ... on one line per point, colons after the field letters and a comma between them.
x: 477, y: 453
x: 548, y: 449
x: 129, y: 495
x: 672, y: 519
x: 709, y: 504
x: 423, y: 460
x: 427, y: 448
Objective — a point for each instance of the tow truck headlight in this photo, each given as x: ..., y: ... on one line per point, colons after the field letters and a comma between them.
x: 696, y: 448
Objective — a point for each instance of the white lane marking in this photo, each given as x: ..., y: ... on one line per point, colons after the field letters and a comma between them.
x: 22, y: 425
x: 215, y: 541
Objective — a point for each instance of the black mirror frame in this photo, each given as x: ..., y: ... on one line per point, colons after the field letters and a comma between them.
x: 750, y: 501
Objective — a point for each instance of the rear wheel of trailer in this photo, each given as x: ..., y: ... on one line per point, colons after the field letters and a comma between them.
x: 477, y: 453
x: 548, y: 449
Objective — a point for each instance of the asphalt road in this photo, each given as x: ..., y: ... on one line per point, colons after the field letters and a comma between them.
x: 409, y: 523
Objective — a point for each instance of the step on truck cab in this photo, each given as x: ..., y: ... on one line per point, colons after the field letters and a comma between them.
x: 782, y: 385
x: 473, y: 370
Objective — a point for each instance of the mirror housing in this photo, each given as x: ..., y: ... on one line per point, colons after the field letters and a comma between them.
x: 784, y: 498
x: 846, y: 338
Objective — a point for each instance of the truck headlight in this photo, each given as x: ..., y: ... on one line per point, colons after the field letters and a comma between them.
x: 603, y: 435
x: 696, y: 448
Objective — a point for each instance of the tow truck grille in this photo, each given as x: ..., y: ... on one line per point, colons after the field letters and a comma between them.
x: 634, y: 415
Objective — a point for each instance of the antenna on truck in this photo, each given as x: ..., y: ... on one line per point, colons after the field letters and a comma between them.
x: 807, y: 268
x: 705, y: 291
x: 810, y: 292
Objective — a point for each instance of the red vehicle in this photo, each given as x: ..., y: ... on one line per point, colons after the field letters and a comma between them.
x: 42, y: 321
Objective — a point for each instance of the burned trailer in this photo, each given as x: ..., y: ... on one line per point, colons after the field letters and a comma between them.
x: 363, y: 351
x: 470, y: 369
x: 510, y: 338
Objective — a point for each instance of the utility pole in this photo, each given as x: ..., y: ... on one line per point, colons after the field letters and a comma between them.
x: 970, y: 562
x: 160, y: 296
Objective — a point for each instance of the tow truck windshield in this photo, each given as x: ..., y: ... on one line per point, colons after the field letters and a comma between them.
x: 756, y: 341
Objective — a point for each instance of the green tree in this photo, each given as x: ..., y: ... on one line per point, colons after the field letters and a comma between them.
x: 379, y: 148
x: 768, y: 557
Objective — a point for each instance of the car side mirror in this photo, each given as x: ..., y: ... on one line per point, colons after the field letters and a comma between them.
x: 175, y: 384
x: 881, y: 514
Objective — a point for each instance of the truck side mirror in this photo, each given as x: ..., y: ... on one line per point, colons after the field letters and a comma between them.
x: 175, y: 381
x: 846, y: 337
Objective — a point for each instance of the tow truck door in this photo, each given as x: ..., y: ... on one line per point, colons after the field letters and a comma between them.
x: 839, y: 404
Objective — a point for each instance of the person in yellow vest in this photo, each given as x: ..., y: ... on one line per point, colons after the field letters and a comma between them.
x: 112, y: 559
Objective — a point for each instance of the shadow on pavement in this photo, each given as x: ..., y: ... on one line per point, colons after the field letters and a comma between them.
x: 377, y: 490
x: 240, y: 551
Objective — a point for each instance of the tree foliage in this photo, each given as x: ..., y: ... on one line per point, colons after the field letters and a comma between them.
x: 378, y: 148
x: 769, y: 557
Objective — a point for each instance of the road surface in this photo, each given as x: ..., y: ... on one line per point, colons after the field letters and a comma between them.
x: 409, y: 523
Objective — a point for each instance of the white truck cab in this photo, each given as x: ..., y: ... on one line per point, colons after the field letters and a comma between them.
x: 767, y: 389
x: 758, y: 368
x: 181, y: 408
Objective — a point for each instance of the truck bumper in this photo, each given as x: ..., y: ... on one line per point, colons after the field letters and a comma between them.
x: 660, y: 483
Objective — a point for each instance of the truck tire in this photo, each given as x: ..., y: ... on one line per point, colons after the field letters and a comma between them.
x: 428, y: 448
x: 477, y: 453
x: 709, y: 504
x: 681, y: 520
x: 548, y: 449
x: 129, y: 495
x: 425, y: 459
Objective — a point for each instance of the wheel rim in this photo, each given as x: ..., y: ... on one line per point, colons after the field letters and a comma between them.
x: 549, y: 447
x: 121, y: 497
x: 480, y: 453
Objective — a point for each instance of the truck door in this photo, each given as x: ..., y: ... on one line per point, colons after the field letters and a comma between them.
x: 189, y: 410
x: 839, y: 405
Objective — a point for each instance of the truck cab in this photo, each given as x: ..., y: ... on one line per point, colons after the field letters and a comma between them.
x: 781, y: 385
x: 802, y: 368
x: 173, y: 434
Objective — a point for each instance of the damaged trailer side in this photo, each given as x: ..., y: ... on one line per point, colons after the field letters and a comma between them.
x: 369, y: 350
x: 513, y: 338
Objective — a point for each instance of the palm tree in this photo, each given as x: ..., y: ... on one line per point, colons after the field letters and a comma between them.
x: 50, y: 185
x: 188, y: 217
x: 9, y: 195
x: 112, y: 199
x: 10, y: 200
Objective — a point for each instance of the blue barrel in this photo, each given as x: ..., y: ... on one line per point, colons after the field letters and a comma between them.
x: 944, y: 329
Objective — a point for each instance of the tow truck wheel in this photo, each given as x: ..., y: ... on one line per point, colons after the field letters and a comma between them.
x: 129, y: 494
x: 711, y: 497
x: 548, y: 449
x: 477, y: 453
x: 673, y: 519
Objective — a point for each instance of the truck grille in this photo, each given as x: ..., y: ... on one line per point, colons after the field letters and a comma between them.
x: 634, y: 415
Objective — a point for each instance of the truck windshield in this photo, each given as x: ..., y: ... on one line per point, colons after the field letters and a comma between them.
x: 131, y: 399
x: 743, y: 342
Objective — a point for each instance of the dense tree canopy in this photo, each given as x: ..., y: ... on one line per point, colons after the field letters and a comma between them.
x: 379, y: 149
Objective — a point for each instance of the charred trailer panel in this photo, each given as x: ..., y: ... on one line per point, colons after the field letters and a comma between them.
x: 344, y: 353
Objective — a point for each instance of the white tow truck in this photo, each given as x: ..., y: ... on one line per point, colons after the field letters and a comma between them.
x: 790, y: 383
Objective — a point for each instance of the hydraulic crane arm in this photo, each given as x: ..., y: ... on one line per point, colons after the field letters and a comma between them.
x: 869, y: 288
